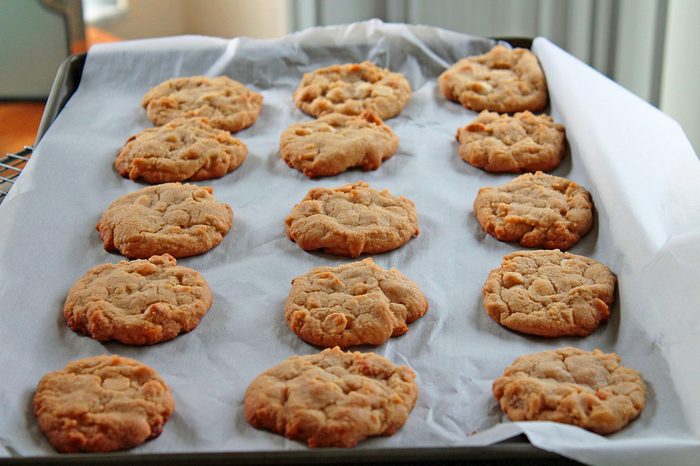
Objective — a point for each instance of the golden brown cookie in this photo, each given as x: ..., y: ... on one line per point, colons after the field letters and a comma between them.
x: 182, y: 149
x: 353, y: 304
x: 536, y: 210
x: 100, y: 404
x: 502, y: 80
x: 549, y: 293
x: 351, y: 220
x: 336, y: 142
x: 139, y: 302
x: 587, y: 389
x: 177, y: 219
x: 332, y: 399
x: 351, y: 89
x: 227, y: 104
x: 520, y: 143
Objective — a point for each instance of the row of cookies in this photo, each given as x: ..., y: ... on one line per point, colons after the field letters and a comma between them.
x: 497, y: 83
x: 144, y: 302
x: 349, y: 103
x: 194, y: 117
x: 109, y: 403
x: 192, y: 140
x: 148, y: 301
x: 192, y: 149
x: 536, y: 210
x: 545, y: 293
x: 332, y: 398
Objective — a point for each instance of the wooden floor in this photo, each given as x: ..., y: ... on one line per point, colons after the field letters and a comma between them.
x: 19, y: 121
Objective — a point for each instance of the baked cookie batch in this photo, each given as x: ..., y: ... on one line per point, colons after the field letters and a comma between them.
x: 336, y: 398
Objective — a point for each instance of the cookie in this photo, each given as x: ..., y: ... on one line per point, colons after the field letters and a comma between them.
x: 549, y: 293
x: 139, y: 302
x: 178, y: 219
x: 100, y: 404
x: 351, y: 89
x: 536, y: 210
x: 587, y: 389
x: 336, y: 142
x: 228, y: 104
x: 523, y: 142
x: 351, y: 220
x: 502, y: 80
x: 353, y: 304
x: 332, y: 399
x: 182, y: 149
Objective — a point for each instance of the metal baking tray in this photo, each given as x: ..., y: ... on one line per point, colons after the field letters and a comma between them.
x: 64, y: 85
x: 517, y: 450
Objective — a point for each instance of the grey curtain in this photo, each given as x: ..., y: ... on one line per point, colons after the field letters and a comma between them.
x: 623, y: 39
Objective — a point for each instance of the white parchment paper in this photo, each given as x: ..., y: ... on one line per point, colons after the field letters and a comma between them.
x: 637, y: 163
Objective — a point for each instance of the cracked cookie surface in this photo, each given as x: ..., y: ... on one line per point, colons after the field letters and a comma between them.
x: 351, y: 89
x: 351, y: 220
x: 100, y: 404
x: 352, y: 304
x: 182, y: 149
x: 520, y: 143
x: 549, y: 293
x: 177, y: 219
x: 139, y: 302
x: 502, y: 80
x: 332, y: 399
x: 228, y: 104
x: 536, y: 210
x: 334, y: 143
x: 587, y: 389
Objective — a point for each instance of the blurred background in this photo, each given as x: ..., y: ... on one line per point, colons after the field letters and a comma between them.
x: 645, y: 45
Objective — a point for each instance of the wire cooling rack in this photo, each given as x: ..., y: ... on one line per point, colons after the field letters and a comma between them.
x: 11, y: 166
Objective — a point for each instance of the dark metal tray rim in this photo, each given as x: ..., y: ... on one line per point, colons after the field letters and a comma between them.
x: 507, y: 452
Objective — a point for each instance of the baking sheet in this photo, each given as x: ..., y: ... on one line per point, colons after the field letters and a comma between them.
x: 638, y: 165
